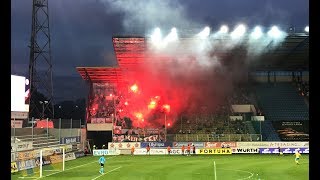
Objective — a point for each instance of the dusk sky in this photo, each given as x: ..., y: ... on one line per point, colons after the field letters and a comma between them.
x: 81, y: 30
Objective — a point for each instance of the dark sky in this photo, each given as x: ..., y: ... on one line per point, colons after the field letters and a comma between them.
x: 81, y: 30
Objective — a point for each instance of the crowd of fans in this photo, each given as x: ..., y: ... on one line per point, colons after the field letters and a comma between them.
x: 102, y: 106
x: 302, y: 86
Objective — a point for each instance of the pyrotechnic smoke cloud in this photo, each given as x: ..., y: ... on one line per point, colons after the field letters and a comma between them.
x: 188, y: 73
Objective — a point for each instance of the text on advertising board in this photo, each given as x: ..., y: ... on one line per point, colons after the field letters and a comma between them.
x: 283, y: 150
x: 215, y: 151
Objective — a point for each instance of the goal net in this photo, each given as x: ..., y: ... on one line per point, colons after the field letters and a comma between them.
x: 48, y: 161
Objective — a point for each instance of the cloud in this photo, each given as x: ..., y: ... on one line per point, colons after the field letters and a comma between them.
x: 81, y: 30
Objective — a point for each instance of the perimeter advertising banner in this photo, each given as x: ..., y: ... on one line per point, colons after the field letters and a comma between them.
x: 27, y: 164
x: 56, y: 158
x: 214, y: 151
x: 79, y: 154
x: 36, y: 153
x: 21, y: 146
x: 155, y: 144
x: 45, y: 160
x: 69, y: 156
x: 245, y: 150
x: 281, y: 144
x: 25, y: 155
x: 152, y: 151
x: 160, y: 151
x: 14, y: 167
x: 68, y: 148
x: 220, y: 144
x: 69, y: 140
x: 284, y: 150
x: 100, y: 152
x: 196, y: 144
x: 177, y: 151
x: 123, y: 145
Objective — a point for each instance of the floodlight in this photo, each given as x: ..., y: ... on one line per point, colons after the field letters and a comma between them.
x: 256, y: 33
x: 239, y: 31
x: 274, y: 32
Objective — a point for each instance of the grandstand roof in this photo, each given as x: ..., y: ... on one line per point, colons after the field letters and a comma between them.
x: 130, y: 52
x: 292, y: 54
x: 101, y: 74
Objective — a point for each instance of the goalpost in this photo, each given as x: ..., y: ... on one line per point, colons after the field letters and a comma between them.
x: 47, y: 161
x: 56, y: 160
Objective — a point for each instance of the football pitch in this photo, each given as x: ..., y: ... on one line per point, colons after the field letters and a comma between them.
x: 176, y: 167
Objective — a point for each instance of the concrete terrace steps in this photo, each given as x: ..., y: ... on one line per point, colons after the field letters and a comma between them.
x: 45, y: 141
x: 40, y: 140
x: 36, y: 139
x: 35, y: 136
x: 47, y: 144
x: 250, y: 127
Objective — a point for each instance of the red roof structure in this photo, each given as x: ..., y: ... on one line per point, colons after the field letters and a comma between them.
x: 101, y: 74
x: 131, y: 52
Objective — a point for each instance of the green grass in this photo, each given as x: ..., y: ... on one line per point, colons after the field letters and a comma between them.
x: 176, y: 167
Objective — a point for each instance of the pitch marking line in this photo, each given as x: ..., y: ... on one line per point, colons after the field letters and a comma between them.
x: 215, y: 172
x: 106, y: 172
x: 71, y: 168
x: 51, y: 170
x: 27, y: 177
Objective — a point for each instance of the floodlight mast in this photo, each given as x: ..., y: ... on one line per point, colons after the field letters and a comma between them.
x: 40, y: 66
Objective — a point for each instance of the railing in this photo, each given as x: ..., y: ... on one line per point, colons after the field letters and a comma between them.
x: 214, y: 137
x: 58, y: 128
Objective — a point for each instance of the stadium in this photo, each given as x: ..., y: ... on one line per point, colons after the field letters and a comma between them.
x: 179, y: 91
x: 227, y: 102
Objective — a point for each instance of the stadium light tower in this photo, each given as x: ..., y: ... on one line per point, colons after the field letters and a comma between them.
x: 40, y: 66
x: 43, y: 103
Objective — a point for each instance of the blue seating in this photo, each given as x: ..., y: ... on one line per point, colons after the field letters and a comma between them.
x: 281, y: 101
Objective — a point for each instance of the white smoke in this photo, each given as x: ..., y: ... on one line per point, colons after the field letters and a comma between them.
x: 189, y: 54
x: 149, y: 13
x: 165, y: 14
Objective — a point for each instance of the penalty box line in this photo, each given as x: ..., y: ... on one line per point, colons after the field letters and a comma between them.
x: 71, y: 168
x: 106, y: 173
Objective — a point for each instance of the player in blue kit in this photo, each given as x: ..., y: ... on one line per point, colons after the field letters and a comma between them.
x: 102, y: 160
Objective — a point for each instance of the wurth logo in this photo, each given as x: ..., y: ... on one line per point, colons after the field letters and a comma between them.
x: 247, y: 150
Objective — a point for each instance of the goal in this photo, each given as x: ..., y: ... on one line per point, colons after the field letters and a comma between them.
x: 52, y: 160
x: 47, y: 162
